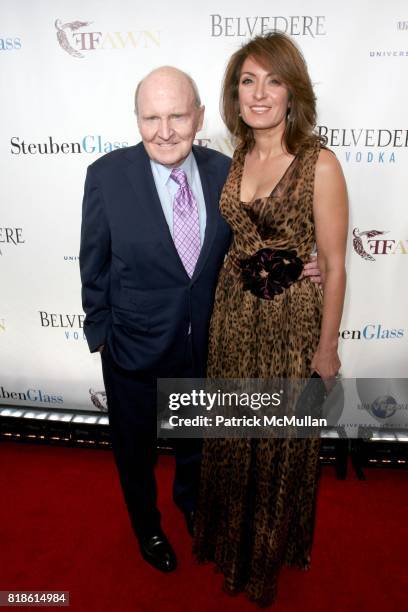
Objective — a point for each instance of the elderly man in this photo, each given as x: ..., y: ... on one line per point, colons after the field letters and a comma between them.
x: 152, y: 244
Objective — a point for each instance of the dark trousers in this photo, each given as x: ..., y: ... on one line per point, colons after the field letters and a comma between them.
x: 131, y: 402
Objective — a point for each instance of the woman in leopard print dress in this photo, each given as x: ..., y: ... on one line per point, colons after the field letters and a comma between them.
x: 285, y: 193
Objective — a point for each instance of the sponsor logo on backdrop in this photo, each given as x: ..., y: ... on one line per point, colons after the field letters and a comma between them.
x: 402, y: 25
x: 12, y: 236
x: 10, y: 44
x: 98, y: 398
x: 71, y: 258
x: 368, y: 243
x: 364, y: 145
x: 372, y: 331
x: 77, y: 38
x: 91, y: 143
x: 294, y: 25
x: 384, y: 399
x: 384, y: 407
x: 31, y: 395
x: 2, y: 325
x: 70, y: 324
x: 360, y: 145
x: 389, y: 53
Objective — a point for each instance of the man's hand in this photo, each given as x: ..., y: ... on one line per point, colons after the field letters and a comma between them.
x: 100, y: 348
x: 311, y: 269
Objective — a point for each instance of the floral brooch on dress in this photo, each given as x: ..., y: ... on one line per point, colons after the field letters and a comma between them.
x: 268, y: 272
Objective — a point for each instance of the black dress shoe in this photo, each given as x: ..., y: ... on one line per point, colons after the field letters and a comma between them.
x: 189, y: 516
x: 157, y: 550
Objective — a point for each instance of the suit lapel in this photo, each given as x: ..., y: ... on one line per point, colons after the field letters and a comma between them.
x: 139, y: 173
x: 210, y: 191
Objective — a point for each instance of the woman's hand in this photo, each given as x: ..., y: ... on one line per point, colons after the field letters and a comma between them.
x: 312, y: 270
x: 327, y: 364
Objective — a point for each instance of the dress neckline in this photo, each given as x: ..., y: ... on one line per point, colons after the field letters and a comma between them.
x: 241, y: 172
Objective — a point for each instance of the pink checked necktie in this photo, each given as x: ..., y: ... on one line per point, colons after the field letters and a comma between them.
x: 186, y: 227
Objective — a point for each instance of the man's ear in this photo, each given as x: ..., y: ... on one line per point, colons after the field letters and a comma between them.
x: 200, y: 117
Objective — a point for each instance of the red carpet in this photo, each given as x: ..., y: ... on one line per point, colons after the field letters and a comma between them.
x: 63, y: 526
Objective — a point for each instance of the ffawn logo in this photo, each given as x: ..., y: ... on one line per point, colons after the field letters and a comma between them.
x: 367, y: 243
x: 76, y: 41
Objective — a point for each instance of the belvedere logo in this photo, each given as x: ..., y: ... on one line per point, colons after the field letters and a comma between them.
x: 294, y: 25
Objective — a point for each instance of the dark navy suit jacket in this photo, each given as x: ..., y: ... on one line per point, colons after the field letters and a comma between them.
x: 136, y: 294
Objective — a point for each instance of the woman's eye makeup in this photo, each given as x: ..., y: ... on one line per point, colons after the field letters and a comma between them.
x: 272, y: 81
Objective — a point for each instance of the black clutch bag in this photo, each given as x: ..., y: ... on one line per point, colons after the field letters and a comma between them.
x: 312, y: 398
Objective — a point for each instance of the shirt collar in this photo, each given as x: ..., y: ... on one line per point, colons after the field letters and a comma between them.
x: 163, y: 172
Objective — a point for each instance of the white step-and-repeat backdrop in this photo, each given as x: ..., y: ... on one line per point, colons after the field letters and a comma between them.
x: 68, y: 75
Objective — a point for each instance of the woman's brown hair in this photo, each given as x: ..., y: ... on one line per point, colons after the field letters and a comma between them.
x: 276, y: 52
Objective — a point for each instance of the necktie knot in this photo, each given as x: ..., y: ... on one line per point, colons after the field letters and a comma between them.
x: 179, y: 176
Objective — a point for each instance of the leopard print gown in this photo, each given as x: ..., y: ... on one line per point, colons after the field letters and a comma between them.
x: 256, y: 506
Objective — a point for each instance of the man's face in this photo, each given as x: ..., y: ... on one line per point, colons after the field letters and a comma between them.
x: 168, y: 118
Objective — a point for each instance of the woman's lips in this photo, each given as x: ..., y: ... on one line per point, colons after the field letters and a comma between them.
x: 260, y: 109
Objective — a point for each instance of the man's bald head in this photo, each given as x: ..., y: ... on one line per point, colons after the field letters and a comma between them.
x: 165, y: 73
x: 169, y: 114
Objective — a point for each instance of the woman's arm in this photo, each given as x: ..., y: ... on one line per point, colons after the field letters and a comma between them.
x: 330, y: 210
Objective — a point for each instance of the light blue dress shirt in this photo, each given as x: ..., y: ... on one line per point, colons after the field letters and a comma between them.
x: 167, y: 189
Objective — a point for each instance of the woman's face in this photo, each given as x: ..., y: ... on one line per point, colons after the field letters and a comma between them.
x: 263, y: 98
